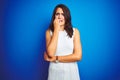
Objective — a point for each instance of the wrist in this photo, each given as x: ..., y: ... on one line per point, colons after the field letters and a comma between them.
x: 56, y: 31
x: 56, y: 59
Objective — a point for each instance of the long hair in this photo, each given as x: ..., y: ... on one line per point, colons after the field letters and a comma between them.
x: 68, y: 25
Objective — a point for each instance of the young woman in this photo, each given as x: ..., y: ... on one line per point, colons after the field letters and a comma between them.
x: 63, y: 46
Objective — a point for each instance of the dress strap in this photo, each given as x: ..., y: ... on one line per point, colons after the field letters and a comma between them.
x: 73, y: 32
x: 51, y: 32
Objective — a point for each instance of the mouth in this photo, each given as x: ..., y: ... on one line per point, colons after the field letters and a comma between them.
x: 61, y: 20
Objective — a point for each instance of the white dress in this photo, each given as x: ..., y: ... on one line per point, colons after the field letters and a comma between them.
x: 63, y: 71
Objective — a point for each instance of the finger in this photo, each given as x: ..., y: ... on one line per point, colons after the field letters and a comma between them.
x: 45, y: 56
x: 47, y: 59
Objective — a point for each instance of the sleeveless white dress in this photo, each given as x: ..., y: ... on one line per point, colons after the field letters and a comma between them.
x: 63, y: 71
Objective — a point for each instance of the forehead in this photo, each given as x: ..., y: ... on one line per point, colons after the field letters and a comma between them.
x: 59, y: 10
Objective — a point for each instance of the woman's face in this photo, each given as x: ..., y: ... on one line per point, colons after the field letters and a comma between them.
x: 60, y: 15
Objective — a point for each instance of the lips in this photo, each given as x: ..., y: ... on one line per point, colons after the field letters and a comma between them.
x: 61, y: 20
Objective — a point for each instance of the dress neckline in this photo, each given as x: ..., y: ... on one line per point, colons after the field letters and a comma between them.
x: 62, y: 30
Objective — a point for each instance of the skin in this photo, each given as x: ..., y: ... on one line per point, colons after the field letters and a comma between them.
x: 51, y: 41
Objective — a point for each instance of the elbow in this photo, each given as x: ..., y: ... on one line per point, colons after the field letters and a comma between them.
x: 78, y: 57
x: 50, y: 53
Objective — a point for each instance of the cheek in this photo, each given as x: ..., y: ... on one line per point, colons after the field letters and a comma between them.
x: 56, y: 16
x: 64, y: 21
x: 63, y: 17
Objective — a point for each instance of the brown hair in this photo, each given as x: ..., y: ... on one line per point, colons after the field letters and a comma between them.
x: 68, y: 25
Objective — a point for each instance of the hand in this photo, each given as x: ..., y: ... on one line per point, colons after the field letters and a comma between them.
x: 47, y: 58
x: 57, y: 24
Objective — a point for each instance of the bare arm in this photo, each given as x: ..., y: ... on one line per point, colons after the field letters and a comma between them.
x: 75, y: 56
x: 51, y: 42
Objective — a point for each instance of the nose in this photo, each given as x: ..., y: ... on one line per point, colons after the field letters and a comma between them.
x: 59, y: 16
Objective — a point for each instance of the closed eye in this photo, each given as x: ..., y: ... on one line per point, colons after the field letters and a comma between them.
x: 57, y: 14
x: 63, y: 14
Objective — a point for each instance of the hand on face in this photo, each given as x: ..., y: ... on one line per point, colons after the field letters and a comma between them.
x: 59, y: 20
x: 57, y: 24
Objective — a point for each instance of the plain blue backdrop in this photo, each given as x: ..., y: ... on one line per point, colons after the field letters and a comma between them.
x: 22, y: 39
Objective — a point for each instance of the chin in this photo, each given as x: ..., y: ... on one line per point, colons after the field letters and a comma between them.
x: 62, y: 25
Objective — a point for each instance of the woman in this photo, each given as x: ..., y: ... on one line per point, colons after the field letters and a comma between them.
x: 63, y: 46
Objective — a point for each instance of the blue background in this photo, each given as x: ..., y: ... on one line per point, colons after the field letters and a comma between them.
x: 22, y: 38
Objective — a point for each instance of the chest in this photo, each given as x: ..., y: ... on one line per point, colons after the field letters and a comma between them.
x: 64, y: 41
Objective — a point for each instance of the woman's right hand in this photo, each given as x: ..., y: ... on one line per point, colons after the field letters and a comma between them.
x: 56, y: 24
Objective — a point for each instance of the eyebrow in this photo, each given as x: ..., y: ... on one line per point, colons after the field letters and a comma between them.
x: 58, y: 13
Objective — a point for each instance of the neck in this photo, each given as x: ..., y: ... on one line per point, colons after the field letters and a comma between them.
x: 61, y: 28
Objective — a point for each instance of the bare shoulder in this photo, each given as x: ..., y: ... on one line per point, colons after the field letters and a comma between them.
x: 77, y: 32
x: 47, y: 32
x: 48, y: 35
